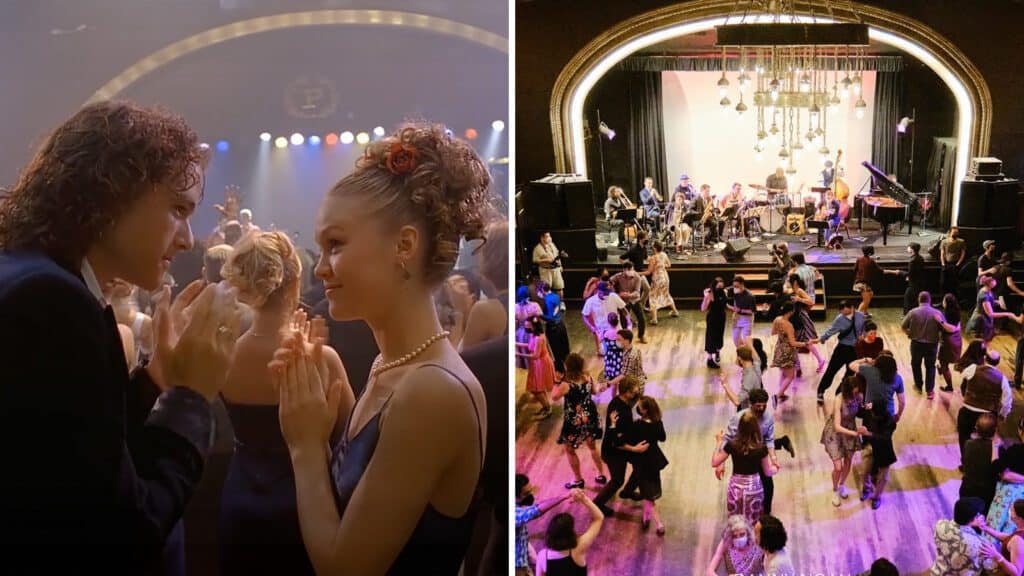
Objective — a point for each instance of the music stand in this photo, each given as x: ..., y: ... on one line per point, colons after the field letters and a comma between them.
x: 628, y: 217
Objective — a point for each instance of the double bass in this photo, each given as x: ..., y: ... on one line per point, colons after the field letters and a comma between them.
x: 840, y: 189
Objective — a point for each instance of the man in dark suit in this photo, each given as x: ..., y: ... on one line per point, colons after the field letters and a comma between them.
x: 99, y: 464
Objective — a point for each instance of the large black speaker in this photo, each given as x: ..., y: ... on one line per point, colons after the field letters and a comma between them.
x: 1005, y: 236
x: 735, y: 249
x: 557, y: 202
x: 988, y: 204
x: 580, y: 245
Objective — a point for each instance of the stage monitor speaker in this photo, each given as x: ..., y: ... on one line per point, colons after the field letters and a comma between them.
x: 579, y: 244
x: 988, y: 204
x: 1005, y: 237
x: 735, y: 249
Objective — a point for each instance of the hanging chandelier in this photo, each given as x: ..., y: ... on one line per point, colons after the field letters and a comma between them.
x: 799, y: 74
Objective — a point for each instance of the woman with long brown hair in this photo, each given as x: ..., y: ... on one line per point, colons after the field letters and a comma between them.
x: 581, y: 423
x: 749, y: 454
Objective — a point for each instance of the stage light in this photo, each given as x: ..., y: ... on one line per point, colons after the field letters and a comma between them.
x: 362, y: 138
x: 378, y: 131
x: 608, y: 132
x: 331, y: 139
x: 223, y: 145
x: 204, y: 145
x: 497, y: 125
x: 314, y: 140
x: 905, y: 123
x: 346, y: 137
x: 861, y: 107
x: 471, y: 134
x: 265, y: 136
x: 281, y: 142
x: 297, y: 139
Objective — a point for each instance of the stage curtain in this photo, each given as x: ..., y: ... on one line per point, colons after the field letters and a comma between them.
x: 647, y: 133
x: 682, y: 63
x: 940, y: 179
x: 888, y: 111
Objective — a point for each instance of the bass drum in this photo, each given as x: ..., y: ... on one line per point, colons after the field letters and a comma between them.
x: 772, y: 219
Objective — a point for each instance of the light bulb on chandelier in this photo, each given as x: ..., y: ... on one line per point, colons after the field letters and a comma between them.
x: 741, y: 107
x: 856, y: 84
x: 861, y: 108
x: 805, y: 82
x: 844, y: 87
x: 723, y: 85
x: 813, y: 113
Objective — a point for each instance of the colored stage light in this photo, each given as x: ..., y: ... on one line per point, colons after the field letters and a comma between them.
x: 281, y: 142
x: 314, y: 140
x: 378, y: 131
x: 346, y: 137
x: 362, y: 138
x: 471, y: 134
x: 331, y: 139
x: 297, y: 139
x: 265, y: 136
x: 223, y: 145
x: 498, y: 125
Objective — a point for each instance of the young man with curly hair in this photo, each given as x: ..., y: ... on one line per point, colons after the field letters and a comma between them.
x: 101, y: 463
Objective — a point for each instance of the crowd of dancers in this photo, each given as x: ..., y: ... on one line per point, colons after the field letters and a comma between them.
x: 862, y: 416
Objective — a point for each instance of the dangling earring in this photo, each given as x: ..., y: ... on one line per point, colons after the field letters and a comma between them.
x: 405, y: 272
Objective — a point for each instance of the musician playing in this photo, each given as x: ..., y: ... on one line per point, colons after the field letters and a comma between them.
x: 777, y: 181
x: 731, y: 203
x: 829, y: 212
x: 674, y: 217
x: 617, y: 200
x: 651, y: 201
x: 705, y: 206
x: 686, y: 188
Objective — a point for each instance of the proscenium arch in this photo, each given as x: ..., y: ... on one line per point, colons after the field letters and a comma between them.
x: 213, y: 36
x: 578, y: 77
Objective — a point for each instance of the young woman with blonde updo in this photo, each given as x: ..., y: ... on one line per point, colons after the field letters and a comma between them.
x: 396, y: 492
x: 259, y: 527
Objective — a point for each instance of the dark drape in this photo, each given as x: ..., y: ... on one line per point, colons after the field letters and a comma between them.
x: 888, y: 111
x: 647, y: 133
x: 683, y: 63
x: 939, y: 180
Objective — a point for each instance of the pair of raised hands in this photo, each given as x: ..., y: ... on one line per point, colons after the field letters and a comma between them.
x: 195, y: 337
x: 309, y: 397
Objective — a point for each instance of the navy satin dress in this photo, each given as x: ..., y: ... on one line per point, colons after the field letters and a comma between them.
x: 438, y: 543
x: 259, y: 522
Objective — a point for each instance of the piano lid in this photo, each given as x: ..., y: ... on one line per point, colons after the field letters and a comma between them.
x: 888, y: 187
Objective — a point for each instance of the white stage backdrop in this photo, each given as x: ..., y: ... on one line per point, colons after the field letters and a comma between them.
x: 718, y: 149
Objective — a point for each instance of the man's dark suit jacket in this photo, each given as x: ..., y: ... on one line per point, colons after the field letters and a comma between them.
x: 97, y: 466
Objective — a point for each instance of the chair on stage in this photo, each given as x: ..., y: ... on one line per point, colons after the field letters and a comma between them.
x: 630, y: 223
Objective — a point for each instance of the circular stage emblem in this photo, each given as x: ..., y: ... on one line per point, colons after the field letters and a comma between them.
x: 311, y: 97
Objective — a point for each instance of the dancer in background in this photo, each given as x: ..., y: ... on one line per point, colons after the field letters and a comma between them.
x: 750, y: 459
x: 737, y: 549
x: 841, y: 436
x: 615, y: 448
x: 555, y: 330
x: 951, y: 344
x: 714, y: 306
x: 581, y: 423
x: 785, y: 356
x: 526, y: 310
x: 540, y: 376
x: 647, y: 465
x: 801, y: 319
x: 743, y: 307
x: 661, y: 297
x: 566, y: 553
x: 848, y: 326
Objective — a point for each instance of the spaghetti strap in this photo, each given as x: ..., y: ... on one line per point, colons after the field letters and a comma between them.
x: 476, y: 411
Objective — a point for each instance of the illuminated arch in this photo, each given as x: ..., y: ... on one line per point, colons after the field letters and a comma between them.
x: 578, y: 77
x: 383, y: 18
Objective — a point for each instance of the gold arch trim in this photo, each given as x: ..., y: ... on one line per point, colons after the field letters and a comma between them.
x: 588, y: 58
x: 213, y: 36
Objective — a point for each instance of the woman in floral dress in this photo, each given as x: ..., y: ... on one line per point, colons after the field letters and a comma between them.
x: 580, y: 423
x: 657, y: 269
x: 784, y: 356
x: 840, y: 436
x: 801, y: 319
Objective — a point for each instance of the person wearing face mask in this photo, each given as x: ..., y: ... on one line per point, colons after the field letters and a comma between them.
x: 847, y: 326
x: 714, y: 306
x: 615, y: 450
x: 914, y: 275
x: 737, y: 549
x: 597, y: 308
x: 632, y: 361
x: 649, y: 430
x: 960, y: 549
x: 528, y: 509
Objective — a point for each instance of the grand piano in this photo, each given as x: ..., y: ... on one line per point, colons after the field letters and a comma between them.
x: 889, y: 202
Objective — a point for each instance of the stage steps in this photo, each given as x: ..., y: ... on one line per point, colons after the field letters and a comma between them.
x: 757, y: 283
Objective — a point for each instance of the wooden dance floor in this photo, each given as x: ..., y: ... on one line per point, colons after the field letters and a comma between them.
x: 922, y: 488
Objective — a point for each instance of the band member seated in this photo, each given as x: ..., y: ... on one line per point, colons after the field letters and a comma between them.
x: 706, y: 206
x: 651, y: 201
x: 686, y: 188
x: 777, y: 181
x: 679, y: 229
x: 731, y: 204
x: 829, y: 211
x: 617, y: 200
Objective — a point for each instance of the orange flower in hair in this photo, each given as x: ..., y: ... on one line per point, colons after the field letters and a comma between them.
x: 401, y: 158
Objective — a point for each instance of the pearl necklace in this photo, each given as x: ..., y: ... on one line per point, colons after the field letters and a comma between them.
x: 378, y: 367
